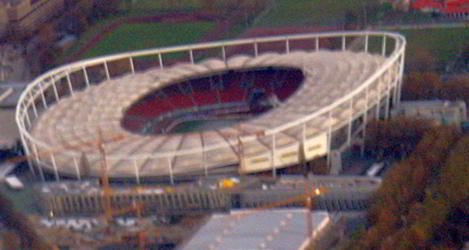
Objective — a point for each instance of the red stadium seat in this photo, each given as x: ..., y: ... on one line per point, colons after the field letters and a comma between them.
x: 200, y: 85
x: 133, y: 124
x: 232, y: 91
x: 205, y: 98
x: 150, y: 109
x: 232, y: 95
x: 289, y: 83
x: 181, y: 101
x: 263, y: 80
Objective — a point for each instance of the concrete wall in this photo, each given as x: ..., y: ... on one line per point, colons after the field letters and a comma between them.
x: 168, y: 203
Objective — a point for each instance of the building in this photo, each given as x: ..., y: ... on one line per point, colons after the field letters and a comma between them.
x: 268, y: 229
x: 26, y: 15
x: 444, y: 112
x: 86, y: 198
x: 399, y: 4
x: 452, y: 8
x: 341, y: 91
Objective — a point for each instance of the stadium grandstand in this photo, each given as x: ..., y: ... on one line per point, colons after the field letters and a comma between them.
x: 253, y: 107
x: 453, y: 8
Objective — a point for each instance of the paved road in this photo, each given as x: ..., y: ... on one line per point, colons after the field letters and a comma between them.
x: 340, y: 193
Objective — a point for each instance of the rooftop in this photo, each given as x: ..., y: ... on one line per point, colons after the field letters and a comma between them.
x: 248, y: 229
x: 92, y: 187
x: 431, y: 104
x: 329, y: 76
x: 334, y: 184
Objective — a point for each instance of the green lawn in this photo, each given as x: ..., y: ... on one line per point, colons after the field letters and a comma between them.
x: 87, y: 36
x: 203, y: 125
x: 308, y: 12
x: 131, y: 37
x: 152, y: 6
x: 443, y: 43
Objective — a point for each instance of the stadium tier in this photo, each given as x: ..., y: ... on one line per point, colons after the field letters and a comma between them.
x: 320, y: 100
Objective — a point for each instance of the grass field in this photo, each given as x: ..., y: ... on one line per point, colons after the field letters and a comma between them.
x: 131, y: 37
x: 308, y: 12
x: 203, y: 125
x: 443, y: 43
x: 87, y: 36
x: 151, y: 6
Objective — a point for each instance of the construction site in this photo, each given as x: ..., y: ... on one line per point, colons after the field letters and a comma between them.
x: 107, y: 171
x: 78, y: 215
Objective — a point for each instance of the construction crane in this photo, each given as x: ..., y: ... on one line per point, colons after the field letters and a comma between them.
x: 107, y: 207
x: 104, y: 179
x: 109, y: 213
x: 107, y: 190
x: 107, y: 193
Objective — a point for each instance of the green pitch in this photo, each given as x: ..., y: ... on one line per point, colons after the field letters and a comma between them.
x: 309, y: 12
x: 203, y: 125
x: 131, y: 37
x: 443, y: 43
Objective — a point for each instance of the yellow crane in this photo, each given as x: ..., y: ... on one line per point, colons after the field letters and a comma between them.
x: 104, y: 180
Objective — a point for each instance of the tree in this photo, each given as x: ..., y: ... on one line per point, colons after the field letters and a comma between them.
x: 78, y: 18
x: 370, y: 240
x: 104, y: 8
x: 456, y: 88
x: 11, y: 241
x: 209, y: 4
x: 455, y: 175
x: 410, y: 204
x: 395, y: 137
x: 47, y: 34
x: 465, y: 55
x: 47, y: 57
x: 388, y: 220
x: 422, y: 85
x: 47, y: 50
x: 416, y: 212
x: 350, y: 20
x: 418, y: 178
x: 422, y: 61
x: 18, y: 224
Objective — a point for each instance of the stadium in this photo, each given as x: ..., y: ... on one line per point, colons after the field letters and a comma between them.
x: 249, y: 105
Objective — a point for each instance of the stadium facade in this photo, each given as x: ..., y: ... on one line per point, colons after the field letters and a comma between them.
x: 320, y: 89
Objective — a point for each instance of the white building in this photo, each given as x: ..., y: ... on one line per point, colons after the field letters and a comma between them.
x: 443, y: 112
x: 269, y: 229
